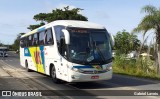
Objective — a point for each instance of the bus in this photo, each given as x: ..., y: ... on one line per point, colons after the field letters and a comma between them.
x: 68, y: 50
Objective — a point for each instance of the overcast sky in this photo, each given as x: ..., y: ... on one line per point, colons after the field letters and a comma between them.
x: 115, y: 15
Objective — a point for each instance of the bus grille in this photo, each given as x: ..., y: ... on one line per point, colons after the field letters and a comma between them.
x: 94, y: 72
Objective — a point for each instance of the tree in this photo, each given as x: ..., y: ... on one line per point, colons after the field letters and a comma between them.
x: 58, y: 14
x: 126, y: 42
x: 1, y: 44
x: 32, y: 27
x: 16, y: 43
x: 151, y: 21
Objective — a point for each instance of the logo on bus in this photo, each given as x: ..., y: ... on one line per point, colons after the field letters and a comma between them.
x: 26, y: 51
x: 98, y: 67
x: 95, y: 72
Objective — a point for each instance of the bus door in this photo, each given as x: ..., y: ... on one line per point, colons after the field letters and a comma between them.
x: 61, y: 56
x: 63, y: 61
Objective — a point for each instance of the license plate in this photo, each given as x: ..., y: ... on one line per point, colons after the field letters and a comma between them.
x: 94, y: 77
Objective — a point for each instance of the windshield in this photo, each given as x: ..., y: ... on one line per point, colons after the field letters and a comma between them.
x: 89, y: 46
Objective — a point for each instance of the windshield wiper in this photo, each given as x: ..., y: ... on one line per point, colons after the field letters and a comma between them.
x: 100, y: 53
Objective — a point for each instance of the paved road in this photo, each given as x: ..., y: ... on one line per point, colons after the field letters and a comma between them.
x: 37, y: 81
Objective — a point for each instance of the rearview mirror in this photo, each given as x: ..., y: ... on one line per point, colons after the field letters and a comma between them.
x: 66, y: 36
x: 112, y: 39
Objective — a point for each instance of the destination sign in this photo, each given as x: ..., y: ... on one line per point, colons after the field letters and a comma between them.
x: 79, y: 31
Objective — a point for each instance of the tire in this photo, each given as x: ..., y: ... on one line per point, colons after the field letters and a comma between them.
x: 26, y: 65
x: 53, y: 76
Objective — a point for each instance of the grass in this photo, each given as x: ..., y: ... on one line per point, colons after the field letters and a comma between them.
x: 143, y: 68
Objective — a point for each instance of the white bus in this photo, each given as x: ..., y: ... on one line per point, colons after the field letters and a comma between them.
x: 68, y: 50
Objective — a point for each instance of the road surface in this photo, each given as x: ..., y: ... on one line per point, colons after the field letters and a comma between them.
x: 14, y: 77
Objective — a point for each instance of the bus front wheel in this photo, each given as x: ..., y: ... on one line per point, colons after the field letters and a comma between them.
x: 53, y: 75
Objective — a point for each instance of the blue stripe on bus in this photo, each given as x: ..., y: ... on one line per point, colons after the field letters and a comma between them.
x: 86, y: 66
x: 41, y: 29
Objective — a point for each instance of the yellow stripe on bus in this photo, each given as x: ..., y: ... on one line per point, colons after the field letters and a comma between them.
x: 36, y: 58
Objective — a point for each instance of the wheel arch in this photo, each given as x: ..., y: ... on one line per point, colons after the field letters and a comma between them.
x: 50, y: 68
x: 26, y: 61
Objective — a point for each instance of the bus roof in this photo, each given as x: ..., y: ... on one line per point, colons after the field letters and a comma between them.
x: 68, y: 23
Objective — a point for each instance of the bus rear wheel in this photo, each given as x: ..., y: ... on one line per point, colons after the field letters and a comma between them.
x: 54, y: 77
x: 26, y: 65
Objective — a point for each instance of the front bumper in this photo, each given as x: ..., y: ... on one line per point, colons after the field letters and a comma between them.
x: 81, y: 77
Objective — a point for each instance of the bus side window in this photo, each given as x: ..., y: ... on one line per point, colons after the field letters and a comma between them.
x: 59, y: 34
x: 41, y: 38
x: 22, y: 42
x: 49, y: 37
x: 30, y: 40
x: 62, y: 46
x: 27, y: 41
x: 35, y: 40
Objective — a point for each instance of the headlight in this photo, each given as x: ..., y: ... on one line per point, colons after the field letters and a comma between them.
x: 77, y: 70
x: 108, y: 68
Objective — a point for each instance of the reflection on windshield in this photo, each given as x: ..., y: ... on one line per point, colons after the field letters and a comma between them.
x: 93, y: 46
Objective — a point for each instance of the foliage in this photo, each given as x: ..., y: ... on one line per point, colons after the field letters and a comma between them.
x: 1, y: 44
x: 126, y: 42
x: 140, y: 68
x: 32, y: 27
x: 58, y: 14
x: 151, y: 22
x: 16, y: 43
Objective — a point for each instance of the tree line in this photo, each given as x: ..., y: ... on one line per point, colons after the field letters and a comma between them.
x: 124, y: 41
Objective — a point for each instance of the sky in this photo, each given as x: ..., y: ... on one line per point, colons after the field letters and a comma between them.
x: 115, y: 15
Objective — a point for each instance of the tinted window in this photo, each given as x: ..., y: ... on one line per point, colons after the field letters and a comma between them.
x: 30, y: 40
x: 27, y: 42
x: 35, y: 40
x: 41, y: 38
x: 59, y: 34
x: 49, y: 37
x: 22, y: 42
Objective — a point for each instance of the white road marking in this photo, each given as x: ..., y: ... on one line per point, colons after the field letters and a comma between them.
x: 6, y: 60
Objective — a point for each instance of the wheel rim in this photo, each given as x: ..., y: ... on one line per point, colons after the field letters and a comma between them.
x: 53, y: 73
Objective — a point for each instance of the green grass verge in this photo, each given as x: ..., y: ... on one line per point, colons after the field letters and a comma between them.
x: 143, y: 68
x: 139, y: 74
